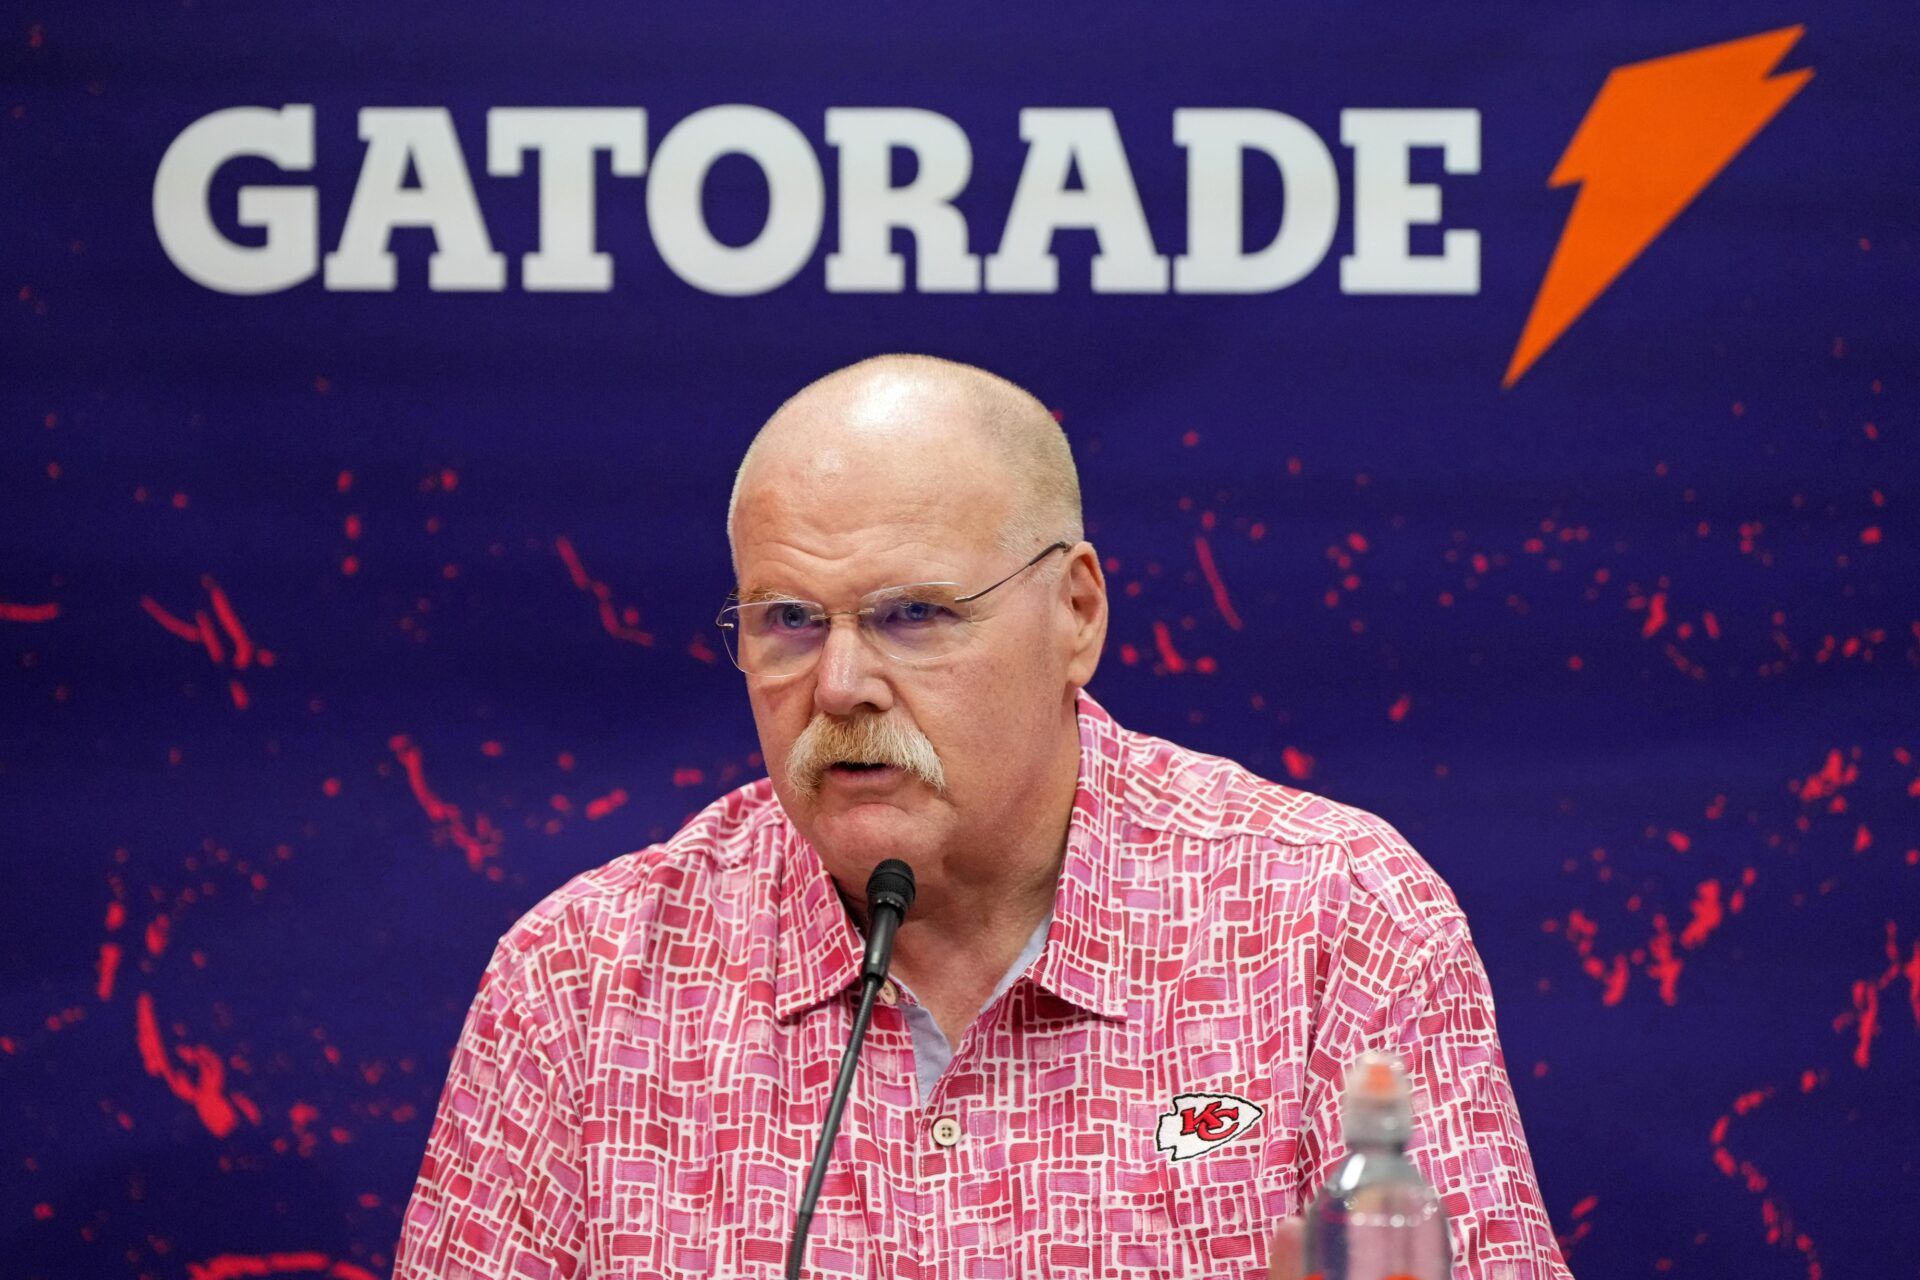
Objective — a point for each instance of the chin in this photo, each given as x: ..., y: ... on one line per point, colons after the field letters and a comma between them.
x: 862, y: 835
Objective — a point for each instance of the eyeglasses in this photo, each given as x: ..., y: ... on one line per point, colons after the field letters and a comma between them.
x: 913, y: 624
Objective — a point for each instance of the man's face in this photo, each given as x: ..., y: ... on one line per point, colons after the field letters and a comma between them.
x: 830, y: 515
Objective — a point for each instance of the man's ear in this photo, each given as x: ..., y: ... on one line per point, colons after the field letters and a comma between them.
x: 1087, y: 600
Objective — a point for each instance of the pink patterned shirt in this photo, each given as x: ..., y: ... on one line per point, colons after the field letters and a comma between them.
x: 644, y: 1071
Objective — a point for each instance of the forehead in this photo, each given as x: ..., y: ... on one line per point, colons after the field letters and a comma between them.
x: 833, y: 507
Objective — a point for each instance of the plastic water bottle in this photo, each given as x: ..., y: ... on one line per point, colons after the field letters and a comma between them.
x: 1376, y: 1219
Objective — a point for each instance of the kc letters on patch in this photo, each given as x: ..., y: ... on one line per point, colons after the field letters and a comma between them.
x: 1203, y: 1122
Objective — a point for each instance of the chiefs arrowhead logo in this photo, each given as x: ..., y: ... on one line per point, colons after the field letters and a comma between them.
x: 1200, y: 1122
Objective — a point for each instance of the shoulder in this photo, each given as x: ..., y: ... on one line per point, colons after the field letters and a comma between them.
x: 1343, y: 856
x: 613, y: 907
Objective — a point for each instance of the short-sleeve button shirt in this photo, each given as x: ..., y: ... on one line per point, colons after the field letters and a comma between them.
x: 643, y: 1074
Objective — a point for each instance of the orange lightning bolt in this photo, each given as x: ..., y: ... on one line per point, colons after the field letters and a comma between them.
x: 1657, y: 133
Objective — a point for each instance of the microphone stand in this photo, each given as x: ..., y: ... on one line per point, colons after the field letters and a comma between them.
x: 889, y: 893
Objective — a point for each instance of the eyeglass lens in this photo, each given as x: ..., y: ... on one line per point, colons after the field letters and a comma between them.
x: 909, y: 624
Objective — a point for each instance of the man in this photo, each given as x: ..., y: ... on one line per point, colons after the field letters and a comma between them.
x: 1121, y: 1005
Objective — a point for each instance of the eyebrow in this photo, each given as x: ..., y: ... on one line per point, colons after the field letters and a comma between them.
x: 768, y: 595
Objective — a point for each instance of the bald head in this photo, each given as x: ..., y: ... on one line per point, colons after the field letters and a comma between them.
x: 923, y: 411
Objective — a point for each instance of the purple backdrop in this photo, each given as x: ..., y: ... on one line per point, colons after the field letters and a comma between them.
x: 342, y: 626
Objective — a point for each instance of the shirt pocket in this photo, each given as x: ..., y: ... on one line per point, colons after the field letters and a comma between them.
x: 1220, y: 1217
x: 1183, y: 1218
x: 1135, y: 1229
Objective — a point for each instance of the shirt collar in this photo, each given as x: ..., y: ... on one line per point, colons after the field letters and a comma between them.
x: 819, y: 951
x: 1082, y: 962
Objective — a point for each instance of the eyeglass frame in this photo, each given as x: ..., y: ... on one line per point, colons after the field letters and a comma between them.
x: 827, y: 615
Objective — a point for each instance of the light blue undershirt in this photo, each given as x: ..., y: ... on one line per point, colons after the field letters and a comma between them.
x: 931, y: 1050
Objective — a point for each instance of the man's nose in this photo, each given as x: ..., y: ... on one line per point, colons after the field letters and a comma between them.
x: 851, y: 673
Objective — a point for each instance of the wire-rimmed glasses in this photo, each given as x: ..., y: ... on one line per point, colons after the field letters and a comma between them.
x: 913, y: 623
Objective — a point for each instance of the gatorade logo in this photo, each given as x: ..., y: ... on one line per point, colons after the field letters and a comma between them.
x: 1656, y: 135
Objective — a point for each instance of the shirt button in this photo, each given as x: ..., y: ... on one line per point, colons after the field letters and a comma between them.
x: 946, y: 1131
x: 889, y: 996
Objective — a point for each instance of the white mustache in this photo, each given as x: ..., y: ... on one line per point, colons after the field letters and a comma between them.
x: 867, y: 739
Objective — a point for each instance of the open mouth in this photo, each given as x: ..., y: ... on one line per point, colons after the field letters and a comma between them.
x: 858, y: 766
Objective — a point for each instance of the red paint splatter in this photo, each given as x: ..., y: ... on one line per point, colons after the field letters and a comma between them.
x: 1707, y: 914
x: 209, y: 638
x: 246, y: 1266
x: 185, y: 630
x: 1657, y: 957
x: 1836, y: 774
x: 606, y: 804
x: 1204, y: 551
x: 1866, y: 1003
x: 1911, y: 971
x: 480, y: 841
x: 1773, y: 1212
x: 1656, y: 614
x: 1616, y: 982
x: 301, y: 1116
x: 1663, y: 967
x: 223, y: 609
x: 621, y: 624
x: 1581, y: 931
x: 199, y: 1082
x: 1299, y: 764
x: 201, y: 632
x: 109, y: 966
x: 1169, y: 656
x: 1866, y: 996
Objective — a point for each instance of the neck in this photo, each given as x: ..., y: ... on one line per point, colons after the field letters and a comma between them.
x: 970, y: 921
x: 981, y: 923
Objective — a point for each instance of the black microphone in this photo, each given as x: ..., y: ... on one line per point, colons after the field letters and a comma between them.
x: 889, y: 894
